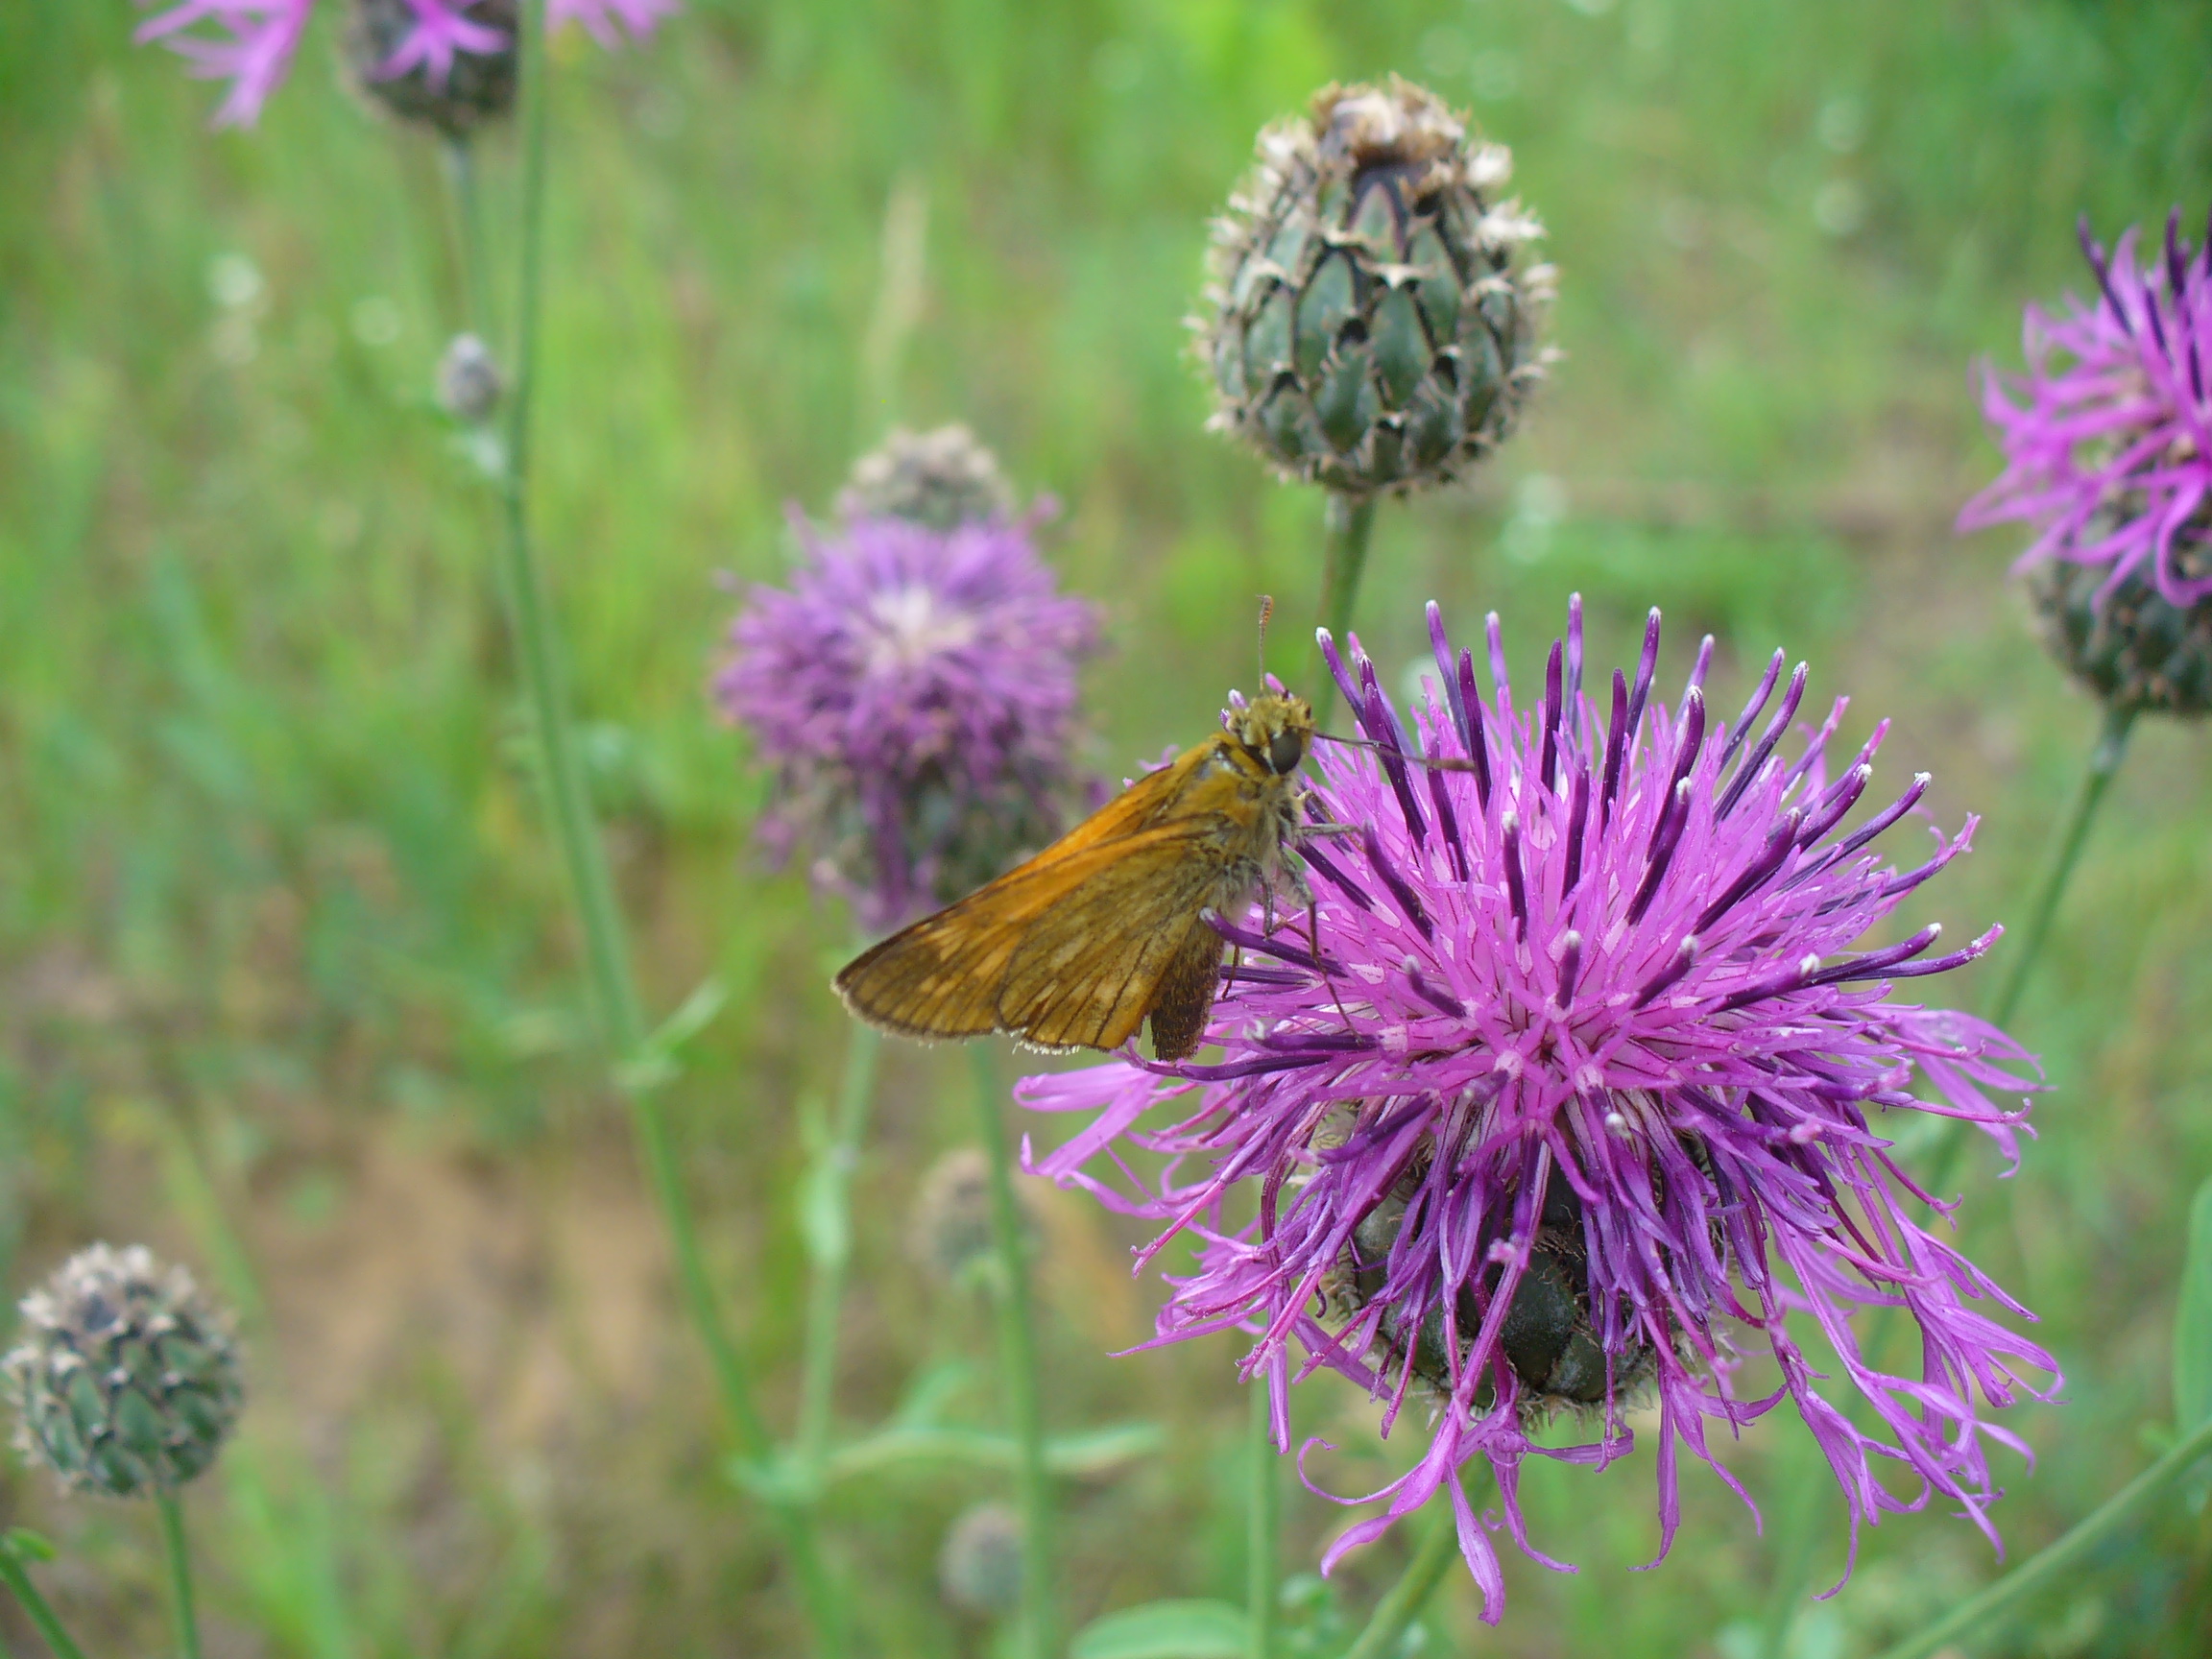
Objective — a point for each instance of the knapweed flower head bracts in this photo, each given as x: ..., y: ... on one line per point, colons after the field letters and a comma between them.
x: 251, y: 44
x: 941, y: 478
x: 2107, y: 436
x: 1371, y: 323
x: 2123, y: 640
x: 915, y: 691
x: 1581, y: 1093
x: 126, y: 1377
x: 451, y: 74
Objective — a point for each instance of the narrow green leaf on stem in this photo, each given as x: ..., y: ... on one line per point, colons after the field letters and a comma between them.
x: 1979, y: 1618
x: 1262, y: 1543
x: 40, y: 1611
x: 2193, y: 1321
x: 1090, y: 1452
x: 180, y: 1556
x: 1164, y: 1630
x: 1347, y: 526
x: 1403, y: 1602
x: 828, y: 1229
x: 1018, y: 1368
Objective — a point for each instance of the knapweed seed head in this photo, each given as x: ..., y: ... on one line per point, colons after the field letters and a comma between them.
x: 915, y: 691
x: 428, y: 45
x: 125, y: 1378
x: 979, y: 1568
x: 2107, y: 436
x: 1576, y: 1082
x: 941, y: 478
x: 1371, y: 322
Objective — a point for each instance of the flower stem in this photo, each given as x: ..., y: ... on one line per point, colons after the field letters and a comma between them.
x: 1348, y: 524
x: 829, y: 1236
x: 41, y: 1612
x: 606, y: 955
x: 1017, y: 1365
x: 1403, y: 1602
x: 469, y: 208
x: 1262, y: 1545
x: 180, y: 1574
x: 1981, y: 1614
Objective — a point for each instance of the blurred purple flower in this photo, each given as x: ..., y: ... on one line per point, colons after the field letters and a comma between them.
x: 1577, y: 1090
x: 251, y: 43
x: 2108, y: 451
x: 915, y: 690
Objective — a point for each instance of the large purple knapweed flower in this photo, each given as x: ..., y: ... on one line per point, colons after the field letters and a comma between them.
x: 251, y: 43
x: 915, y: 690
x: 1579, y: 1097
x: 2108, y: 449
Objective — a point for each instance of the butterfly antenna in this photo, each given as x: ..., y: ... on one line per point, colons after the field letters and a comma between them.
x: 1434, y: 762
x: 1266, y: 610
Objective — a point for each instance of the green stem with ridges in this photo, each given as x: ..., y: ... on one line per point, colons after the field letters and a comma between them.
x: 469, y: 208
x: 1263, y: 1545
x: 180, y: 1574
x: 1981, y: 1615
x: 1348, y: 524
x: 40, y: 1610
x: 1018, y: 1368
x: 615, y: 992
x: 1403, y: 1602
x: 826, y: 1295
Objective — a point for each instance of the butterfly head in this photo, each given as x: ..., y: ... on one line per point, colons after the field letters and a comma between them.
x: 1275, y: 727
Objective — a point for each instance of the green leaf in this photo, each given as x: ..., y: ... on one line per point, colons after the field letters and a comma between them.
x: 2193, y: 1321
x: 1091, y: 1451
x: 1164, y: 1630
x: 26, y: 1545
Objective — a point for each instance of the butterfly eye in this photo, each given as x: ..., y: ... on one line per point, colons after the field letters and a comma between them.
x: 1284, y: 750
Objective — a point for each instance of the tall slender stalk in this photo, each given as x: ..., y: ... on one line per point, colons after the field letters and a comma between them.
x: 606, y: 955
x: 1980, y: 1616
x: 1262, y: 1541
x: 1794, y: 1543
x: 1403, y: 1602
x: 180, y: 1574
x: 828, y: 1236
x: 41, y: 1611
x: 468, y: 209
x: 1018, y: 1368
x: 1347, y: 525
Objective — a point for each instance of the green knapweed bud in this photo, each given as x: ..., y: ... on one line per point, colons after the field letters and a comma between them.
x: 2134, y: 649
x: 1369, y: 326
x: 475, y: 84
x: 950, y: 1234
x: 126, y: 1376
x: 943, y: 478
x: 980, y: 1569
x: 469, y: 384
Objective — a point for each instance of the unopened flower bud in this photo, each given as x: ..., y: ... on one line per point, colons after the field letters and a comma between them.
x: 980, y: 1569
x: 1371, y: 324
x: 943, y: 478
x: 950, y: 1234
x: 126, y: 1376
x: 452, y: 71
x: 469, y: 384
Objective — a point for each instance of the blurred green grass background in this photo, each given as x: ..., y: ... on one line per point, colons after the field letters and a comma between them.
x: 288, y: 985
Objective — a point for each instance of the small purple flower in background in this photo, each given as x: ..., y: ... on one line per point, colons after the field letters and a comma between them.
x: 251, y: 43
x: 2108, y: 449
x: 915, y: 690
x: 1577, y: 1093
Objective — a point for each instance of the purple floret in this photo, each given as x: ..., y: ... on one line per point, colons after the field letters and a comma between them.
x: 251, y: 43
x: 2108, y: 449
x: 915, y: 690
x: 1596, y: 1006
